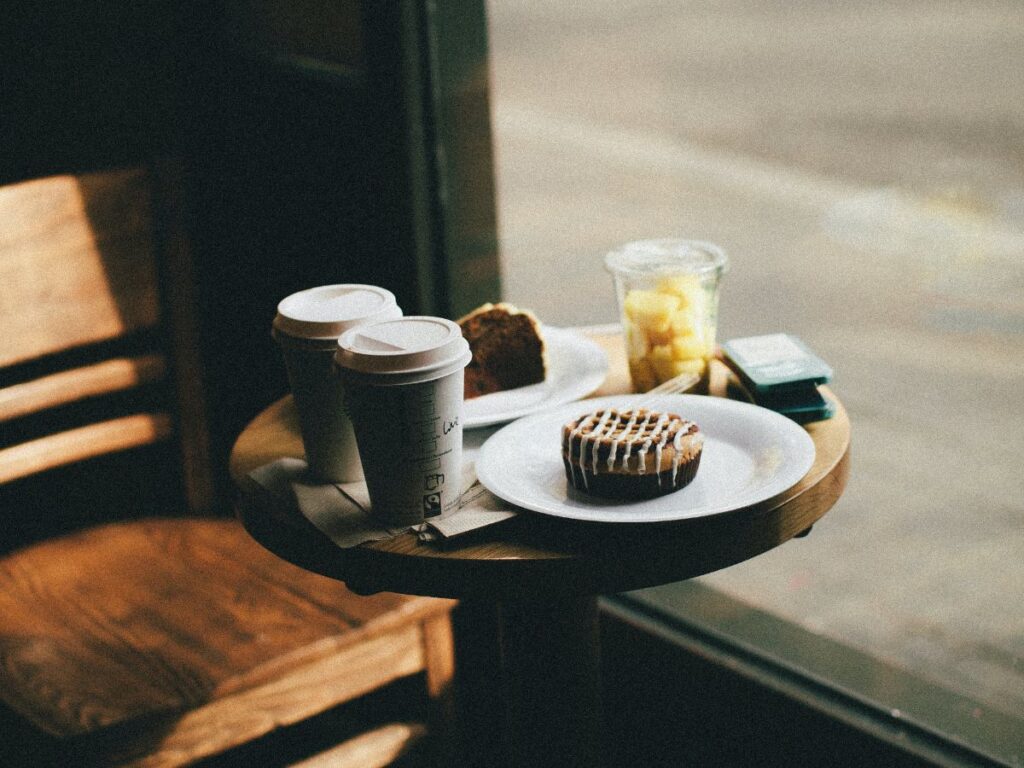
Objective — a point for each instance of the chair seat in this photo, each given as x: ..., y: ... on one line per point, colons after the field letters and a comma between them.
x: 189, y: 637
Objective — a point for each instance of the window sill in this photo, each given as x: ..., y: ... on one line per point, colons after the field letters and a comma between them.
x: 918, y: 717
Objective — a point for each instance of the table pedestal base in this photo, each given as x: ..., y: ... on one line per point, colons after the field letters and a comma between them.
x: 527, y: 666
x: 542, y: 698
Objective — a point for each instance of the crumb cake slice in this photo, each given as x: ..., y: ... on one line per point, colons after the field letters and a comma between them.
x: 631, y: 454
x: 508, y: 349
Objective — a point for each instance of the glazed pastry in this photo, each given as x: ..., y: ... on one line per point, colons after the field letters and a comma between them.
x: 630, y: 454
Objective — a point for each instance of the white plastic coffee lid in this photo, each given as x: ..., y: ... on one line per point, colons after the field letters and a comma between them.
x: 416, y: 348
x: 330, y: 310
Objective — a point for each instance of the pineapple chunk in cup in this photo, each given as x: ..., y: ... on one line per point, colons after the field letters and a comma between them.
x: 668, y: 298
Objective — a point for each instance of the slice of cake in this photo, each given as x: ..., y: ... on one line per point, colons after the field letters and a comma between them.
x: 631, y: 454
x: 508, y: 349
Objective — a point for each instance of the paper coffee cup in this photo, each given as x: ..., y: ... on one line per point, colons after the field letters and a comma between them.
x: 403, y: 384
x: 307, y: 328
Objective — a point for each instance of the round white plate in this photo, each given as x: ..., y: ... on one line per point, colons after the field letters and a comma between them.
x: 576, y: 367
x: 750, y: 454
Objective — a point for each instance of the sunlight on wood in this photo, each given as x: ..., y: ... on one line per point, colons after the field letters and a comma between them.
x: 71, y: 245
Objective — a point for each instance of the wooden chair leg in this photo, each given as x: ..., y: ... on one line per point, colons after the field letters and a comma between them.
x: 439, y: 656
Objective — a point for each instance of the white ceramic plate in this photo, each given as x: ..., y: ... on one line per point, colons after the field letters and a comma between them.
x: 750, y: 454
x: 576, y: 367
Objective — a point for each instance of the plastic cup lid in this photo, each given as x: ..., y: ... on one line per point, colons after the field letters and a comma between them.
x: 666, y: 255
x: 330, y: 310
x: 405, y: 345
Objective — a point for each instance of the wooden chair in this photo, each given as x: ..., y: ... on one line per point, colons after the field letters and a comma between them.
x: 152, y: 639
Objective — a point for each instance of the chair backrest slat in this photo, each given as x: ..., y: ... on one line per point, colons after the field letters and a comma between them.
x: 76, y: 263
x: 81, y: 443
x: 81, y: 358
x: 103, y: 378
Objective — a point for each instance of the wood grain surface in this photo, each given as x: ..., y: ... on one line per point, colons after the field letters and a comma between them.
x: 153, y: 642
x: 537, y: 554
x: 78, y: 250
x: 184, y: 637
x: 102, y: 378
x: 377, y: 748
x: 77, y: 266
x: 83, y: 443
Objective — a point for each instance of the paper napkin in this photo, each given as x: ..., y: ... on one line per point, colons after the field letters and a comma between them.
x: 342, y: 510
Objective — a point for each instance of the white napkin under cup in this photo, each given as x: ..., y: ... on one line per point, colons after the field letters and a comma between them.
x: 341, y: 511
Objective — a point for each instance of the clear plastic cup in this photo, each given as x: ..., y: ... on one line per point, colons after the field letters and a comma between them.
x: 668, y: 300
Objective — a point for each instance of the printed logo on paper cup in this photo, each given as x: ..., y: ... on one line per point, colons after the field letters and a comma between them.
x: 427, y: 449
x: 431, y: 504
x: 432, y: 501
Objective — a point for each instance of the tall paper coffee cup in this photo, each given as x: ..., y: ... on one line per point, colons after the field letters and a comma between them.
x: 307, y: 328
x: 403, y: 383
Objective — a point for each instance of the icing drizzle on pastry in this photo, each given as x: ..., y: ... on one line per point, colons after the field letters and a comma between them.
x: 632, y: 431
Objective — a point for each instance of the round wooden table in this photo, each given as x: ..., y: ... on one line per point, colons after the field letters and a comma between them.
x: 540, y: 576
